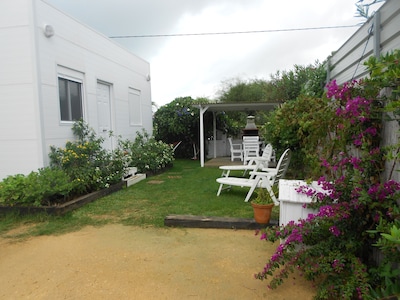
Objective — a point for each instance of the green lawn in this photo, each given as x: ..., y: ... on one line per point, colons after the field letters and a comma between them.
x: 186, y: 188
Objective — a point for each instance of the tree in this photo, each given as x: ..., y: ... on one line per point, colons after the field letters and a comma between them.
x: 238, y: 90
x: 307, y: 80
x: 288, y: 85
x: 178, y: 121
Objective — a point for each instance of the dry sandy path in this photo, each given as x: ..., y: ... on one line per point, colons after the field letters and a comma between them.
x: 121, y: 262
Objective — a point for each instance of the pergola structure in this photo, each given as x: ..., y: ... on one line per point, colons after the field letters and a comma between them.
x: 218, y: 107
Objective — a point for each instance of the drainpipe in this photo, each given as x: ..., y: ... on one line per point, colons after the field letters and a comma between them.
x: 37, y: 82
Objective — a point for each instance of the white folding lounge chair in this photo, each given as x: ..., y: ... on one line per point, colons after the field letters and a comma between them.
x: 254, y: 164
x: 263, y: 179
x: 236, y: 150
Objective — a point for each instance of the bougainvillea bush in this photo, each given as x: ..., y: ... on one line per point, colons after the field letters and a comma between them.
x: 358, y: 212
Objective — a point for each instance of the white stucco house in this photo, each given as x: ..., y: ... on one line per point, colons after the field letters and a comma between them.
x: 55, y: 70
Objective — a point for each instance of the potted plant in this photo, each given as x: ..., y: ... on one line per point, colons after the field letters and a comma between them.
x: 263, y: 204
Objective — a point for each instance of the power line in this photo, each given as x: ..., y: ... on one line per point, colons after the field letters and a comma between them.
x: 232, y: 32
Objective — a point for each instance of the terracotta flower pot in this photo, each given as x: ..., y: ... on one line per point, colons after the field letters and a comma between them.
x: 262, y: 212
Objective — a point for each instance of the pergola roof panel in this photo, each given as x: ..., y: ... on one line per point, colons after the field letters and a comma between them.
x: 238, y: 106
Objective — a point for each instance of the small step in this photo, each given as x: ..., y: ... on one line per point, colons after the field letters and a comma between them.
x: 134, y: 179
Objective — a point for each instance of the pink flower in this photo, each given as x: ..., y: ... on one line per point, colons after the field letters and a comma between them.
x: 334, y: 230
x: 371, y: 131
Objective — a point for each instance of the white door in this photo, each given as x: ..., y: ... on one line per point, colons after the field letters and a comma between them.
x: 104, y: 113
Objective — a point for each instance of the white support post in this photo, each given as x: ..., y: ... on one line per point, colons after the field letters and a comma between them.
x: 202, y: 111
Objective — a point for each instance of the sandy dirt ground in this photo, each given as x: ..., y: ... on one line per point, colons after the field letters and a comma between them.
x: 121, y: 262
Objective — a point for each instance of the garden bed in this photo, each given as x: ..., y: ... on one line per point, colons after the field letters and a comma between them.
x: 64, y: 207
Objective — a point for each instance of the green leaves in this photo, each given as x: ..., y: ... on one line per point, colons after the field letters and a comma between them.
x: 148, y: 154
x: 177, y: 121
x: 45, y: 187
x: 89, y: 166
x: 303, y: 125
x: 12, y: 189
x: 394, y: 235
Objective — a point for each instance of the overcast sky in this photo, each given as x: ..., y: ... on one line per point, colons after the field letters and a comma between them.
x: 197, y: 65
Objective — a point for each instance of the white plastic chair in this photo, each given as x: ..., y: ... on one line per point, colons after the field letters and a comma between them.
x: 254, y: 164
x: 236, y: 150
x: 263, y: 179
x: 251, y: 148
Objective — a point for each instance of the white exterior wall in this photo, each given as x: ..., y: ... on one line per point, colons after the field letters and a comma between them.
x: 30, y: 62
x: 20, y: 147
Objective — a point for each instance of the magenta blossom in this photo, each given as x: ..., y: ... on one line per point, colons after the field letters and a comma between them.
x: 334, y: 230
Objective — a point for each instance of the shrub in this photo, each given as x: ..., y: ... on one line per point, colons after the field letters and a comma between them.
x: 148, y: 154
x: 84, y: 166
x: 177, y: 121
x: 45, y: 187
x: 89, y: 166
x: 12, y: 189
x: 302, y: 125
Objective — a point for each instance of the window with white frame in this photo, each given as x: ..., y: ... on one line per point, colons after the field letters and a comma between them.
x: 70, y: 93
